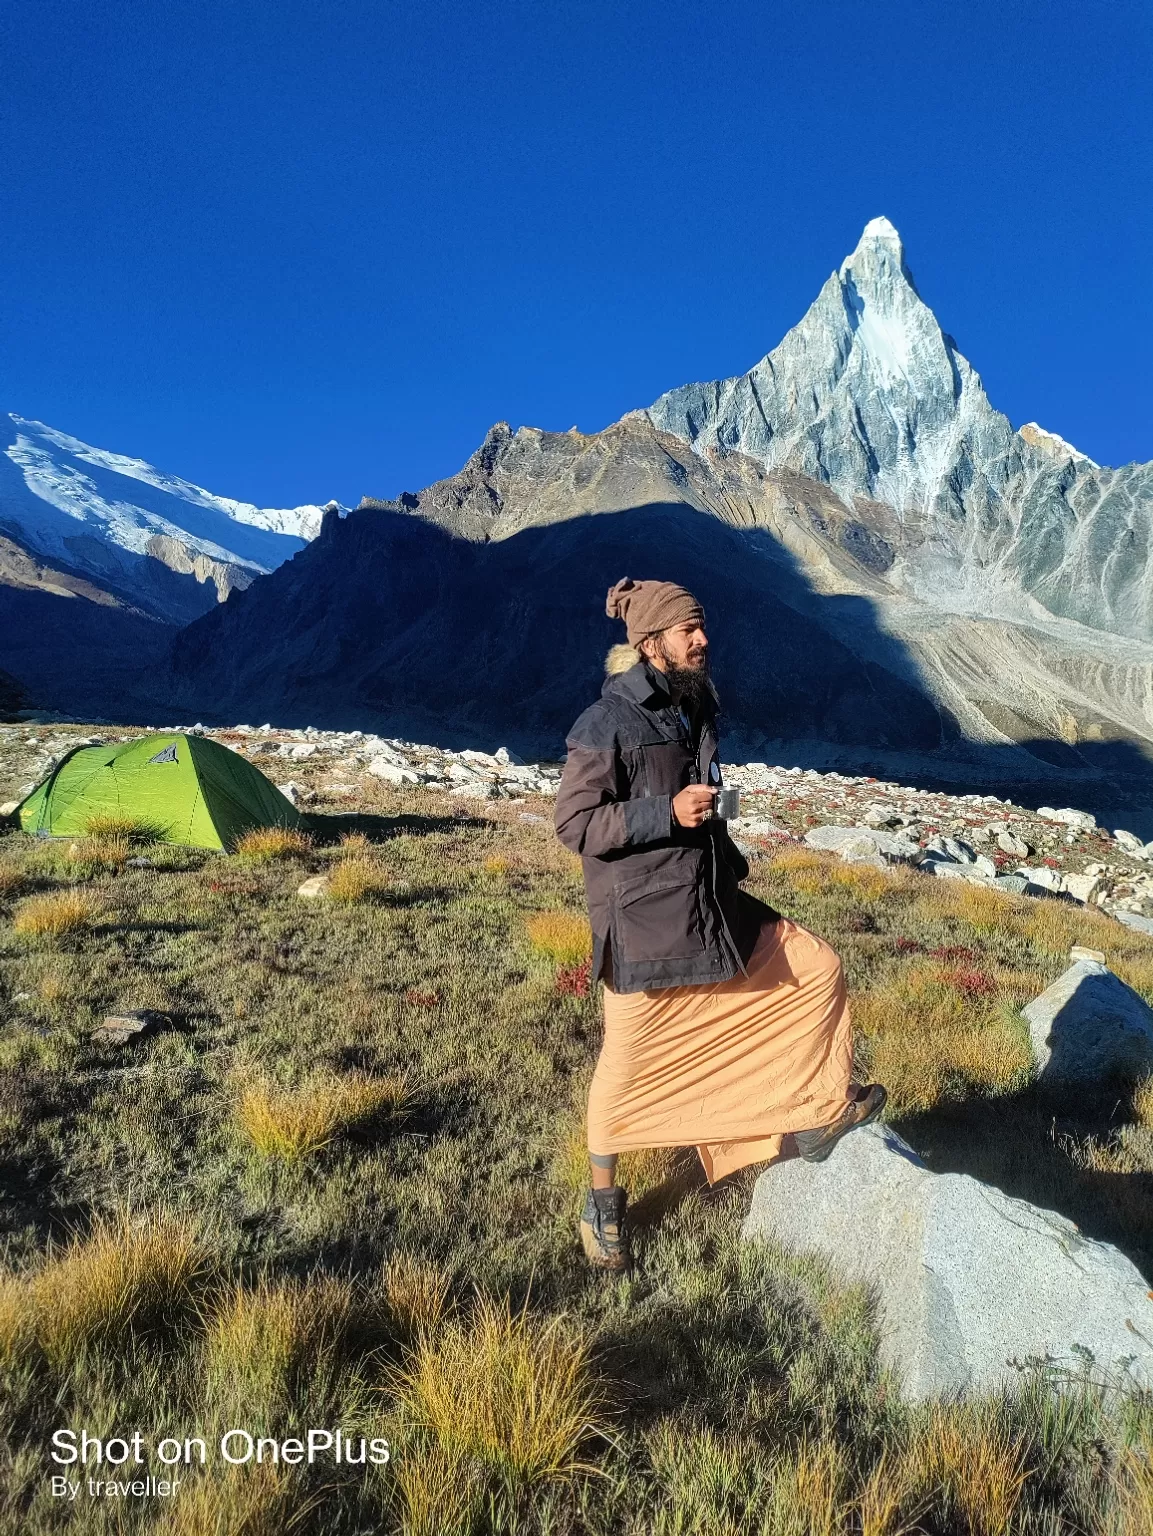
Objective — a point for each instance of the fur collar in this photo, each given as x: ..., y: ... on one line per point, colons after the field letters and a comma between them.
x: 620, y: 658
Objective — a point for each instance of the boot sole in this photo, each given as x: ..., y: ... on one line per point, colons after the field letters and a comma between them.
x: 826, y: 1150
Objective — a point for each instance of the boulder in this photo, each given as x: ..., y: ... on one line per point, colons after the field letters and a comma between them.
x: 1009, y: 842
x: 290, y: 791
x: 133, y: 1024
x: 313, y: 887
x: 1090, y: 1025
x: 967, y: 1281
x: 889, y: 846
x: 1133, y: 920
x: 1081, y: 820
x: 758, y: 826
x: 1130, y: 842
x: 1081, y: 887
x: 951, y: 848
x: 382, y: 768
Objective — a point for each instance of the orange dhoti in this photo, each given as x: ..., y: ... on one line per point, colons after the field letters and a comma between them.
x: 729, y: 1068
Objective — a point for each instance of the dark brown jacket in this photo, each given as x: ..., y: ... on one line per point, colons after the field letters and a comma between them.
x: 664, y: 902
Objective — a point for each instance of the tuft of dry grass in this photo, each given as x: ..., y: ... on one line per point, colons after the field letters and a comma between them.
x: 436, y: 1491
x: 258, y: 1338
x: 808, y: 1490
x: 417, y: 1294
x: 508, y: 1388
x: 354, y: 845
x: 960, y: 1456
x: 10, y: 881
x: 355, y: 880
x: 1133, y: 1484
x: 1141, y: 1103
x: 129, y: 829
x: 104, y: 852
x: 124, y: 1277
x: 563, y: 936
x: 295, y: 1123
x: 260, y: 1499
x: 56, y: 913
x: 496, y: 865
x: 264, y: 844
x: 932, y: 1029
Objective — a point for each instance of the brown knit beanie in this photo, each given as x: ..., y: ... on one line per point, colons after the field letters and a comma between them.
x: 650, y: 606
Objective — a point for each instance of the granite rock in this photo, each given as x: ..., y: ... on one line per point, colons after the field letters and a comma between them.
x: 967, y: 1281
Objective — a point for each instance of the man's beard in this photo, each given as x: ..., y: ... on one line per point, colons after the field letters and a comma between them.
x: 691, y: 683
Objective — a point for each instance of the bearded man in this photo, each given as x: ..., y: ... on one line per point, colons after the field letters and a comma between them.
x: 726, y: 1024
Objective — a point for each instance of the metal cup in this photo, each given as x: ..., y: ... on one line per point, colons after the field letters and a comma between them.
x: 727, y: 805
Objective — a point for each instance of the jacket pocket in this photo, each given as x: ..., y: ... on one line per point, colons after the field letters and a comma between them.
x: 658, y: 916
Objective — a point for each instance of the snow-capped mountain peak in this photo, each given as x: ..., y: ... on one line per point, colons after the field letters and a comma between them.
x: 110, y: 516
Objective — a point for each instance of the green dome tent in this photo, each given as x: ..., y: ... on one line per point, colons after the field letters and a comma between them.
x: 191, y: 790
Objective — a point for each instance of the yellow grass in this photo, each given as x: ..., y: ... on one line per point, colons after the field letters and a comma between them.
x: 354, y: 845
x: 56, y: 913
x: 1134, y: 967
x: 885, y: 1506
x: 125, y: 1276
x: 1142, y: 1103
x: 808, y: 1490
x: 355, y: 879
x: 53, y: 988
x: 972, y: 1463
x: 436, y: 1491
x: 507, y: 1388
x: 295, y: 1123
x: 265, y: 843
x: 562, y: 936
x: 10, y: 881
x: 416, y: 1292
x: 107, y: 851
x: 130, y: 829
x: 640, y: 1172
x: 258, y: 1338
x: 925, y: 1034
x: 496, y: 866
x: 257, y: 1499
x: 1134, y: 1485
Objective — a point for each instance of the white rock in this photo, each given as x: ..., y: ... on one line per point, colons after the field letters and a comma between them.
x: 503, y: 755
x: 756, y: 826
x: 314, y: 886
x: 1009, y: 842
x: 382, y: 768
x: 952, y: 848
x: 1090, y: 1025
x: 290, y: 791
x: 1134, y: 920
x: 885, y: 844
x: 8, y: 807
x: 1130, y: 842
x: 1069, y: 817
x: 1083, y: 887
x: 967, y: 1280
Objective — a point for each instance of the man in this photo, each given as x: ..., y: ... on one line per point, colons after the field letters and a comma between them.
x: 726, y: 1025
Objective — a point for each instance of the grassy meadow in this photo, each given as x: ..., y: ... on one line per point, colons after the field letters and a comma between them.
x: 339, y: 1190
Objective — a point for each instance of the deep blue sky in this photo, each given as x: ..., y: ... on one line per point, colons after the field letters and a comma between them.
x: 303, y: 250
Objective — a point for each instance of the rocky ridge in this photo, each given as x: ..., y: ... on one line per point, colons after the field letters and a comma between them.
x: 1052, y: 852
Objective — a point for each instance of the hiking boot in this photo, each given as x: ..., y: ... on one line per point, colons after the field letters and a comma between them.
x: 603, y: 1231
x: 815, y: 1146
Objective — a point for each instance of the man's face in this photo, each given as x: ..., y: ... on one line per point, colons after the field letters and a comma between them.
x: 684, y: 647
